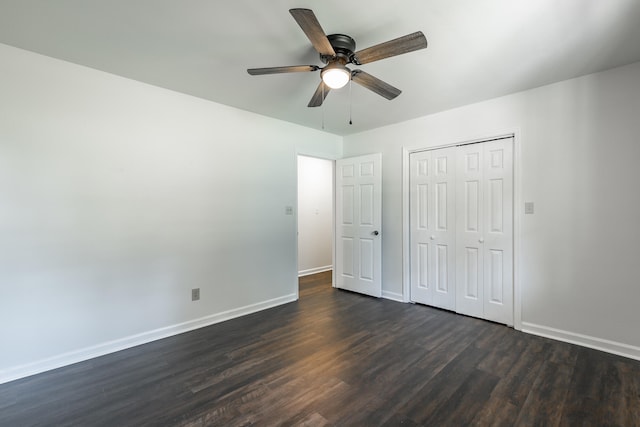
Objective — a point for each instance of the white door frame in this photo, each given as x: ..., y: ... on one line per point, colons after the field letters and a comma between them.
x: 517, y: 211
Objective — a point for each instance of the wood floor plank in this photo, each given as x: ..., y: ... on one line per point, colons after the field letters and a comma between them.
x: 545, y: 401
x: 630, y: 412
x: 465, y: 403
x: 336, y: 358
x: 518, y: 381
x: 438, y: 391
x: 602, y: 391
x: 496, y: 412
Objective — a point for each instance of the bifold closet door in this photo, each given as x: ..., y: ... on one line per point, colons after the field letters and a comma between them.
x: 432, y: 227
x: 484, y: 236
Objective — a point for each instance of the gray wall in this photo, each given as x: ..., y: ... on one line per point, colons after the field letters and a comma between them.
x: 579, y: 143
x: 117, y: 198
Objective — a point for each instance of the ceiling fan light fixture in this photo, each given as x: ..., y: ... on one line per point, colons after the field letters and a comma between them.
x: 335, y: 75
x: 338, y: 51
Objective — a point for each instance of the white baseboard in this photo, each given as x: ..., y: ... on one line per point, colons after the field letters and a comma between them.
x: 392, y: 296
x: 83, y: 354
x: 614, y: 347
x: 314, y: 270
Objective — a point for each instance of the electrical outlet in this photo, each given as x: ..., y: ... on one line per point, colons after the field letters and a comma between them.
x: 288, y: 210
x: 195, y: 294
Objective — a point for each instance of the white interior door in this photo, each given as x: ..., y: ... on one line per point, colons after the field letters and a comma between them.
x: 498, y: 234
x: 484, y: 204
x: 461, y: 229
x: 432, y: 228
x: 358, y: 224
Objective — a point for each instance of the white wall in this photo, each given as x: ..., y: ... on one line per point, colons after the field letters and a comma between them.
x: 579, y: 148
x: 315, y: 214
x: 117, y: 198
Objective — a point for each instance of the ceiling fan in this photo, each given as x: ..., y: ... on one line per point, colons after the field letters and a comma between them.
x: 337, y: 51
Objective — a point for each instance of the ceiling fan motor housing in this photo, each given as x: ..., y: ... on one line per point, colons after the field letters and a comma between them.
x: 343, y: 45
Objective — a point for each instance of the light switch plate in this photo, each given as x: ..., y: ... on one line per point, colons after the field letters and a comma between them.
x: 528, y: 208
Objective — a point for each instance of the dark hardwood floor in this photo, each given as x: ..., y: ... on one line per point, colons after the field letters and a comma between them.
x: 337, y: 358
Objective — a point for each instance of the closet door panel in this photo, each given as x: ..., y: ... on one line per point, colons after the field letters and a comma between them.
x: 498, y: 236
x: 470, y: 228
x: 421, y: 225
x: 461, y: 211
x: 432, y: 227
x: 444, y: 230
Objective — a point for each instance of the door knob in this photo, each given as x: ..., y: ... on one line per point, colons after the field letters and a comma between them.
x: 481, y: 240
x: 433, y: 237
x: 375, y: 233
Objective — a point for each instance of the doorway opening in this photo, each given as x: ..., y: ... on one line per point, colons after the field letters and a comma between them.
x: 315, y: 217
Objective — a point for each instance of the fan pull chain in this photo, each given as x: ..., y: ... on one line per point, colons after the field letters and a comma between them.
x: 322, y: 106
x: 350, y: 102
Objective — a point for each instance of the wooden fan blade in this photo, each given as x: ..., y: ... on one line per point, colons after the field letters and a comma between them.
x: 404, y: 44
x: 375, y: 84
x: 277, y: 70
x: 318, y: 97
x: 311, y: 27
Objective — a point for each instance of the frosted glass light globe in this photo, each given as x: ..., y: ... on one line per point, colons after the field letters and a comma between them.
x: 336, y: 76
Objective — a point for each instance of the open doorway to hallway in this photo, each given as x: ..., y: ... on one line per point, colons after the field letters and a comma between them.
x: 315, y: 216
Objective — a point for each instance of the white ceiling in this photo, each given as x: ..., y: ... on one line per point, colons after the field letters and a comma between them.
x: 478, y: 49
